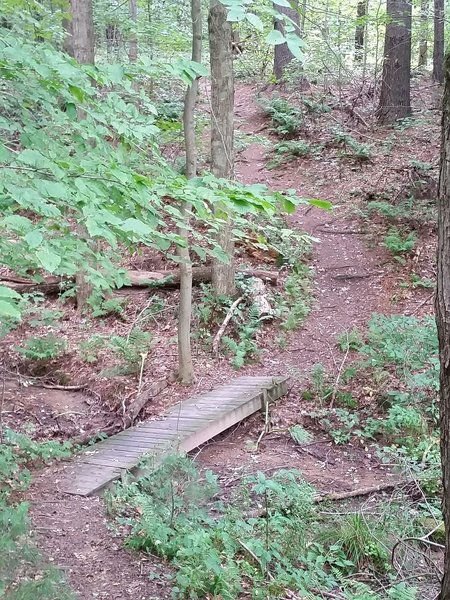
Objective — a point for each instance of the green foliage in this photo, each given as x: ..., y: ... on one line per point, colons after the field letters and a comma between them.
x: 399, y: 243
x: 89, y: 349
x: 293, y: 305
x: 131, y: 350
x: 245, y: 346
x: 290, y: 150
x: 43, y: 348
x: 351, y: 147
x: 359, y: 538
x: 23, y: 574
x: 287, y: 120
x: 172, y: 513
x: 111, y: 306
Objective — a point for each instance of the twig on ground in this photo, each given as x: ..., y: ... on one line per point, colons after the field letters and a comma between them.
x: 338, y: 378
x: 360, y: 492
x: 222, y: 328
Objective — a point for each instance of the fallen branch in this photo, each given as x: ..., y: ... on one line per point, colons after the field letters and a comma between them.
x: 374, y: 489
x: 222, y: 328
x: 159, y: 279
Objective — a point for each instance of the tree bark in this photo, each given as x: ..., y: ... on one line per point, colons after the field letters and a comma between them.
x: 423, y: 42
x: 79, y: 41
x: 361, y: 12
x: 133, y: 47
x: 443, y: 320
x: 222, y: 132
x: 395, y: 95
x: 438, y: 45
x: 282, y: 55
x: 185, y: 364
x: 80, y: 44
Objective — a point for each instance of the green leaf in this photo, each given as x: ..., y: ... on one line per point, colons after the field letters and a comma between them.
x: 7, y: 309
x: 294, y: 45
x: 137, y: 227
x: 34, y: 238
x: 236, y: 14
x: 255, y: 21
x: 6, y: 292
x: 282, y: 3
x: 5, y: 154
x: 48, y: 259
x: 275, y: 38
x: 320, y: 203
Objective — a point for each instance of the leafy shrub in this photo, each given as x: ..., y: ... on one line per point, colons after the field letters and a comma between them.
x: 130, y: 350
x: 287, y: 120
x: 351, y: 147
x: 42, y: 348
x: 290, y: 150
x: 172, y: 513
x: 399, y: 243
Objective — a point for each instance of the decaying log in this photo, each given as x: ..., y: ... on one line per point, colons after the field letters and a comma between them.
x: 258, y: 294
x: 157, y: 279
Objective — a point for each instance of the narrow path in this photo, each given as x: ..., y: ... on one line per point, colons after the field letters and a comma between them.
x: 348, y: 288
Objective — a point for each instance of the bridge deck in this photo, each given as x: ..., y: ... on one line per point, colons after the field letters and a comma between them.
x: 183, y: 428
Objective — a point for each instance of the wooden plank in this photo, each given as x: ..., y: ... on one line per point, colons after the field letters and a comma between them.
x: 185, y: 427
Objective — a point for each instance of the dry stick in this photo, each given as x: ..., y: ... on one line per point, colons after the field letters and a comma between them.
x: 335, y: 389
x: 360, y: 492
x: 423, y: 540
x: 222, y: 328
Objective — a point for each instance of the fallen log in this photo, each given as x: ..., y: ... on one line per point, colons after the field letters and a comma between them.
x: 157, y: 279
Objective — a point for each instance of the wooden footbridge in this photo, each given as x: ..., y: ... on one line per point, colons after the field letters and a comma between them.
x: 183, y: 428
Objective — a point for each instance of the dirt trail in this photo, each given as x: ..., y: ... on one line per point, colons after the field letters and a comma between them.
x: 348, y: 288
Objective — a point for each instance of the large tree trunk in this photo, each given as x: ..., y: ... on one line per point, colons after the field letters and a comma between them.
x: 185, y: 365
x: 282, y: 55
x: 423, y: 42
x: 361, y: 12
x: 133, y: 47
x: 80, y: 44
x: 395, y: 96
x: 438, y: 46
x: 222, y: 131
x: 443, y: 320
x: 79, y: 41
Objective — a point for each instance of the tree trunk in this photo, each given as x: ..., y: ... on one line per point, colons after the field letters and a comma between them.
x: 133, y: 47
x: 423, y: 43
x: 395, y: 96
x: 79, y: 41
x: 361, y: 12
x: 438, y: 46
x: 282, y: 55
x: 222, y: 131
x: 185, y: 365
x: 443, y: 320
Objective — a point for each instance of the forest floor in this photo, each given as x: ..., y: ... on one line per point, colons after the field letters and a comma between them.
x: 354, y: 277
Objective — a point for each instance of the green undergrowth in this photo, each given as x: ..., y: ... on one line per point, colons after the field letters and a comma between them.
x: 289, y: 306
x: 387, y: 394
x: 262, y: 538
x: 23, y: 572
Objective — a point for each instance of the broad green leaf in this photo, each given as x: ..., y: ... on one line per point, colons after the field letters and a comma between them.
x: 282, y: 3
x: 17, y: 223
x: 48, y: 259
x: 255, y: 21
x: 320, y: 203
x: 34, y: 238
x: 5, y: 154
x: 294, y: 46
x: 138, y: 227
x: 275, y: 38
x: 6, y: 292
x: 8, y: 309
